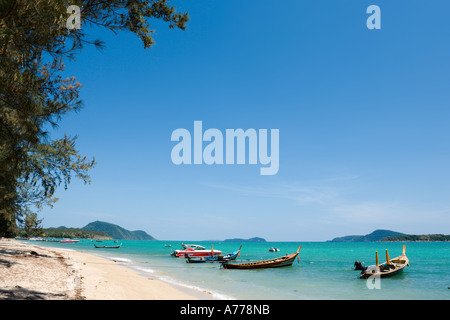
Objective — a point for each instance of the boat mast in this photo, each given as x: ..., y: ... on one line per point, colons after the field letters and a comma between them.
x: 376, y: 256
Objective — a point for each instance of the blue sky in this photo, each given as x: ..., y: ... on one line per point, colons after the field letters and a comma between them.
x: 363, y: 117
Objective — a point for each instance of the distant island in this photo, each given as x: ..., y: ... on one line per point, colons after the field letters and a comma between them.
x: 413, y: 237
x: 255, y: 239
x: 388, y: 235
x: 377, y: 235
x: 96, y: 230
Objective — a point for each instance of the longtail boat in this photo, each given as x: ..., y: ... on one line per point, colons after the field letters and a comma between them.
x: 214, y: 258
x: 286, y: 260
x: 388, y: 268
x: 108, y: 247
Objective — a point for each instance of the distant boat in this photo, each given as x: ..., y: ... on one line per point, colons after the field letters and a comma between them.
x: 194, y: 250
x: 108, y: 247
x: 284, y: 261
x: 69, y: 241
x: 217, y: 258
x: 388, y: 268
x: 167, y: 245
x: 274, y: 249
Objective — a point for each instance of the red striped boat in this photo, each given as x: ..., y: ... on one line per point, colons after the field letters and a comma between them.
x: 195, y: 251
x: 69, y: 241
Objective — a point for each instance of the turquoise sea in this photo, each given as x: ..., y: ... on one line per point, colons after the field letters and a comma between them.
x: 325, y: 270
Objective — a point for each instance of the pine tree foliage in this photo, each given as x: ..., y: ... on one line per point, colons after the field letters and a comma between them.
x: 34, y: 96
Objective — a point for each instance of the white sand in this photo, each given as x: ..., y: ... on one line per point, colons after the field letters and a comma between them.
x: 32, y: 272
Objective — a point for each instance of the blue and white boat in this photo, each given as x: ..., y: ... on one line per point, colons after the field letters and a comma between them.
x: 214, y: 258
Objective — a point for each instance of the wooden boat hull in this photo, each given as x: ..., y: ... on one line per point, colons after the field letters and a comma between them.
x: 381, y: 274
x: 271, y: 263
x: 389, y: 268
x: 106, y: 247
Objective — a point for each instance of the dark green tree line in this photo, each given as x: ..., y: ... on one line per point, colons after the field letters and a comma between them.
x: 34, y: 43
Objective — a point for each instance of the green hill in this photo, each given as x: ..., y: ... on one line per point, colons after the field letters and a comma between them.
x: 64, y: 232
x: 377, y: 235
x: 424, y: 237
x: 116, y: 232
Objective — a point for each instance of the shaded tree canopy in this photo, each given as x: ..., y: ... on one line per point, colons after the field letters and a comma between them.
x: 34, y: 42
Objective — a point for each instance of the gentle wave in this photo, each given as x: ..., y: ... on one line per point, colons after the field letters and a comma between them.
x: 145, y: 270
x: 120, y: 259
x: 215, y: 295
x: 179, y: 283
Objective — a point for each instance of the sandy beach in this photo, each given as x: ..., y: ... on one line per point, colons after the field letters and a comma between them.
x: 31, y: 272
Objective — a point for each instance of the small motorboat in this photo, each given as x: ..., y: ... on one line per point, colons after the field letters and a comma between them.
x: 69, y: 241
x: 273, y: 249
x: 194, y: 251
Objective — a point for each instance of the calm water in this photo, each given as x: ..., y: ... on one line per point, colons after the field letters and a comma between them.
x: 324, y: 271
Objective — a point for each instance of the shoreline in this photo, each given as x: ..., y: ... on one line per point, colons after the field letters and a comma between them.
x: 33, y: 272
